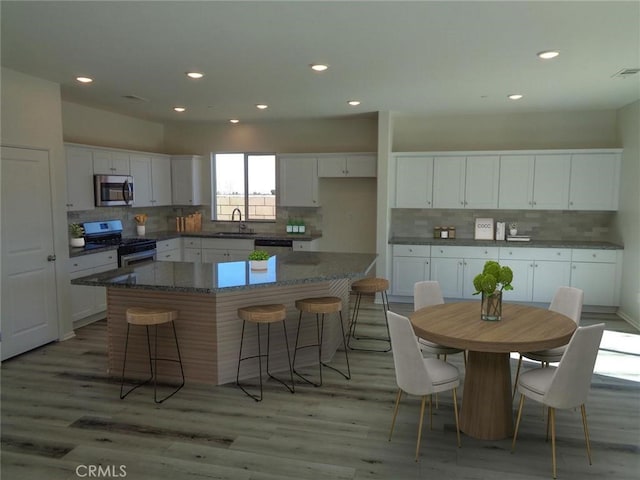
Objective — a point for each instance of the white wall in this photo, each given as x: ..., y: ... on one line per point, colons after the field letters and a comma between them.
x: 517, y: 131
x: 628, y: 221
x: 31, y: 117
x: 92, y: 126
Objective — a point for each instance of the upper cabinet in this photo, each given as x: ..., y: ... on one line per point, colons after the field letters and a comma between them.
x: 466, y: 182
x: 595, y: 181
x: 298, y: 181
x: 414, y: 181
x: 347, y: 165
x: 79, y: 178
x: 187, y: 176
x: 110, y: 162
x: 151, y: 179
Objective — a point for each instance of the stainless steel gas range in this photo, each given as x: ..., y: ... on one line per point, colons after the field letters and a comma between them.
x: 131, y: 251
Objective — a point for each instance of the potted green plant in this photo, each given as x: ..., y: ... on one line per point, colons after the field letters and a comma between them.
x: 258, y: 259
x: 493, y: 280
x: 77, y: 235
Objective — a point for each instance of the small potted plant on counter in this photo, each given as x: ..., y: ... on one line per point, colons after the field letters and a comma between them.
x: 77, y: 235
x: 491, y: 282
x: 258, y: 260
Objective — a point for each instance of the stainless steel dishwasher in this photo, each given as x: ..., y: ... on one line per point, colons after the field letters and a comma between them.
x: 273, y: 246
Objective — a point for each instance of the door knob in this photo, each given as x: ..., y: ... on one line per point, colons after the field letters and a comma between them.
x: 51, y: 258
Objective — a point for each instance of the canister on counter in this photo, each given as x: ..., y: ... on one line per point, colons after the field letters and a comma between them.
x: 452, y: 232
x: 436, y: 232
x: 444, y: 232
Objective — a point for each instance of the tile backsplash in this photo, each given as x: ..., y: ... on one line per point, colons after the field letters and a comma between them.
x: 565, y: 225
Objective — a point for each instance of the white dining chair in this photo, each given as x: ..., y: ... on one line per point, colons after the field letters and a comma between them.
x: 564, y: 386
x: 417, y: 375
x: 425, y: 294
x: 568, y: 302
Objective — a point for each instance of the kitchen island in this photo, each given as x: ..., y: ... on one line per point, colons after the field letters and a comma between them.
x: 207, y: 296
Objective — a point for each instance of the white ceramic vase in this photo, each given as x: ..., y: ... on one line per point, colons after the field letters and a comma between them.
x: 140, y: 230
x: 259, y: 264
x: 513, y: 232
x: 77, y: 242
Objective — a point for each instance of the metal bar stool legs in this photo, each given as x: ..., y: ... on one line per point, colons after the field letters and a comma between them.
x: 263, y: 314
x: 320, y: 306
x: 369, y: 285
x: 155, y: 317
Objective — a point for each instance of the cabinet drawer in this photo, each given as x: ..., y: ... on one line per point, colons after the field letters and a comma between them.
x: 465, y: 252
x: 83, y: 262
x: 192, y: 242
x: 411, y: 250
x: 227, y: 243
x: 528, y: 253
x: 170, y: 244
x: 594, y: 255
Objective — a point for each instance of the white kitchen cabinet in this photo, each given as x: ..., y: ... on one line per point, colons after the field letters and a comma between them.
x: 306, y: 245
x: 79, y: 179
x: 151, y: 179
x: 414, y: 181
x: 598, y: 274
x: 516, y: 182
x: 215, y: 250
x: 110, y: 162
x: 595, y: 181
x: 85, y: 300
x: 466, y: 182
x: 187, y: 180
x: 537, y: 272
x: 193, y: 255
x: 456, y: 267
x: 347, y: 165
x: 169, y: 250
x: 411, y: 264
x: 298, y: 181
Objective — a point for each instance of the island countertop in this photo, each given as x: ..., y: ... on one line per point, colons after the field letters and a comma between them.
x: 293, y: 268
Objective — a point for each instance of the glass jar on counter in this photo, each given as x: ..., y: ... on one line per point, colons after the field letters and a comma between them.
x: 452, y: 232
x: 444, y: 232
x: 436, y: 232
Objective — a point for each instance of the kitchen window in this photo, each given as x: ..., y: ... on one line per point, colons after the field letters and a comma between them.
x: 243, y: 181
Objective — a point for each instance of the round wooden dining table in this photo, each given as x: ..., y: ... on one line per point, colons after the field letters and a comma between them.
x: 486, y: 411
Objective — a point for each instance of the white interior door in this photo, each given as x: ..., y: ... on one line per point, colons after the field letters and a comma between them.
x: 29, y: 304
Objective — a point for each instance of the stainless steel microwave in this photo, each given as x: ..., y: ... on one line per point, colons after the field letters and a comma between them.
x: 113, y: 190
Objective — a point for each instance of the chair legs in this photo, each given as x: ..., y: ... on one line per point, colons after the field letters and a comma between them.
x: 551, y: 425
x: 515, y: 382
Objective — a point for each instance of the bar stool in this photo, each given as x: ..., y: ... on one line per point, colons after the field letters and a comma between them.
x: 369, y: 286
x: 260, y: 314
x: 151, y: 317
x: 320, y: 306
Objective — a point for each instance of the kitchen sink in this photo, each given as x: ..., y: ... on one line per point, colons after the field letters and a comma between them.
x: 234, y: 234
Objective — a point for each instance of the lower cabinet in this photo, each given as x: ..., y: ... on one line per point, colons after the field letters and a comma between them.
x: 215, y: 250
x: 169, y: 250
x: 411, y: 264
x: 598, y: 274
x: 456, y: 267
x: 85, y: 300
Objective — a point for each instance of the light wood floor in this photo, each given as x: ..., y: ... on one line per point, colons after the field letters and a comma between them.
x: 61, y: 414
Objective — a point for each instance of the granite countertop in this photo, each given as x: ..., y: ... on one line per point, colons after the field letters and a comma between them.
x: 470, y: 242
x: 168, y: 234
x: 290, y: 269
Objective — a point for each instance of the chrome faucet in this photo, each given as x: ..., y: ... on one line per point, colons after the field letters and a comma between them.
x: 241, y: 225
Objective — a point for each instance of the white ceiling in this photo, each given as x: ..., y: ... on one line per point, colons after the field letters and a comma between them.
x: 419, y: 57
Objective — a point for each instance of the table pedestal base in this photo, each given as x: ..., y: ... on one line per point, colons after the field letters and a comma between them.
x: 486, y: 411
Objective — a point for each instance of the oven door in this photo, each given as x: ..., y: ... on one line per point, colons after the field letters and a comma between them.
x: 136, y: 258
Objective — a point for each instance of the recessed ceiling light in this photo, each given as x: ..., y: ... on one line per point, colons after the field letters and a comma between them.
x: 234, y: 120
x: 515, y: 96
x: 262, y: 106
x: 195, y: 74
x: 319, y: 67
x: 548, y: 54
x: 179, y: 109
x: 84, y: 79
x: 354, y: 103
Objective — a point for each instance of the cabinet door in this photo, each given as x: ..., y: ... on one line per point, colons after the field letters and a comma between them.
x: 362, y: 166
x: 406, y: 272
x: 102, y: 162
x: 79, y: 179
x: 170, y: 256
x: 595, y: 180
x: 481, y: 182
x: 120, y: 163
x: 448, y: 182
x: 82, y: 297
x: 551, y: 182
x: 181, y: 181
x: 522, y: 280
x: 515, y: 190
x: 449, y: 273
x: 597, y: 280
x: 471, y: 268
x: 332, y: 166
x: 414, y: 182
x: 141, y: 172
x: 160, y: 181
x: 214, y: 255
x: 193, y: 255
x: 547, y: 277
x: 298, y: 181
